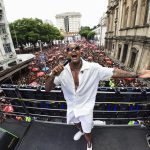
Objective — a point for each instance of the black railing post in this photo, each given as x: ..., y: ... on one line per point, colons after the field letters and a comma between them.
x: 22, y: 103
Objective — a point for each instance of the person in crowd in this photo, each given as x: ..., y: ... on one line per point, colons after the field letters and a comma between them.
x: 79, y: 81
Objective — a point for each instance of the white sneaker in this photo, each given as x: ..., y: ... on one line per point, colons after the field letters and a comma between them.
x: 89, y: 148
x: 78, y: 135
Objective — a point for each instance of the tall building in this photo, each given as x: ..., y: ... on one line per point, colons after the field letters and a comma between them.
x: 100, y: 31
x: 128, y: 32
x: 10, y: 63
x: 7, y: 51
x: 69, y: 22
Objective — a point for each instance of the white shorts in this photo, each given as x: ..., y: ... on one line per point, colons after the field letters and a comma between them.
x: 86, y: 121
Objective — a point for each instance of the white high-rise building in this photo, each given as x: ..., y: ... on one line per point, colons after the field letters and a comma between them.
x: 7, y: 51
x: 100, y: 31
x: 69, y: 22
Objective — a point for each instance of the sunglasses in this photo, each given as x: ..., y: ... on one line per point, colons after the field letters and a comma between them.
x: 69, y: 49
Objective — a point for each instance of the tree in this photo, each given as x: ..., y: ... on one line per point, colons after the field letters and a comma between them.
x: 29, y: 30
x: 86, y: 32
x: 91, y: 35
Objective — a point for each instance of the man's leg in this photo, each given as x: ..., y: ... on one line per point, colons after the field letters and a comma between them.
x: 71, y: 118
x: 88, y: 137
x: 87, y: 125
x: 78, y: 125
x: 78, y: 135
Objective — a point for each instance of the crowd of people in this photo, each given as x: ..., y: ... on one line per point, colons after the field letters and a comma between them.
x: 48, y: 58
x: 80, y: 99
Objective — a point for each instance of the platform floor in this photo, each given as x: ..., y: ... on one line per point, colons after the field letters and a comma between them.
x: 46, y: 136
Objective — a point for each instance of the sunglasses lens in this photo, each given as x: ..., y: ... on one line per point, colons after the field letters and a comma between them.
x: 71, y: 49
x: 68, y: 49
x: 77, y: 48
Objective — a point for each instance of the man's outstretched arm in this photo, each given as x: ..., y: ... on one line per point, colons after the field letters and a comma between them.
x: 119, y: 73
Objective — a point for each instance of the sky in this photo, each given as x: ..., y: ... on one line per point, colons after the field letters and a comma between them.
x: 91, y: 10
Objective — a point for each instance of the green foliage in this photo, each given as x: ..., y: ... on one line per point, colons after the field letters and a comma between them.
x: 87, y: 32
x: 91, y: 35
x: 29, y: 30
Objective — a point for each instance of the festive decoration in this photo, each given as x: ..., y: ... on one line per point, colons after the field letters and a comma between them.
x: 101, y: 54
x: 129, y: 79
x: 19, y: 118
x: 34, y: 84
x: 45, y: 69
x: 28, y: 119
x: 61, y: 57
x: 109, y: 62
x: 50, y: 60
x: 40, y: 74
x: 35, y: 69
x: 133, y: 123
x: 90, y: 58
x: 8, y: 109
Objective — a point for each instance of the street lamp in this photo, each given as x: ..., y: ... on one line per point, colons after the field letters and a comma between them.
x: 40, y: 45
x: 15, y: 35
x: 101, y: 25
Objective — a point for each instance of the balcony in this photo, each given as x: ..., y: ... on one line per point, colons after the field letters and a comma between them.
x: 115, y: 110
x: 143, y: 31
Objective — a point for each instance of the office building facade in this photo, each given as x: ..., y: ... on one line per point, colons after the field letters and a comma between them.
x: 128, y: 33
x: 7, y: 51
x: 69, y: 22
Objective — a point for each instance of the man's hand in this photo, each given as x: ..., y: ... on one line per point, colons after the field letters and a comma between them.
x: 49, y: 83
x: 57, y: 70
x: 144, y: 74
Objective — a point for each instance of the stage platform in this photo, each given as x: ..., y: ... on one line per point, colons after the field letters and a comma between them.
x: 48, y: 136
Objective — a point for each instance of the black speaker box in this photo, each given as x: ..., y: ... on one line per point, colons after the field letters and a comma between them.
x: 8, y: 141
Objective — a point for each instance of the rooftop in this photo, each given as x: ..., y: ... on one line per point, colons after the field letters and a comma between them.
x: 68, y: 14
x: 15, y: 65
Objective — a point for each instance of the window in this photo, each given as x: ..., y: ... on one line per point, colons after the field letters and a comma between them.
x: 119, y: 52
x: 7, y: 48
x: 2, y: 29
x: 66, y: 23
x: 147, y: 8
x: 1, y: 14
x: 133, y: 13
x: 134, y: 53
x: 126, y: 17
x: 123, y: 15
x: 108, y: 23
x: 125, y: 51
x: 143, y: 11
x: 113, y: 46
x: 133, y: 56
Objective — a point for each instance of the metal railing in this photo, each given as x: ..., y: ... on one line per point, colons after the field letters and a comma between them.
x: 113, y: 105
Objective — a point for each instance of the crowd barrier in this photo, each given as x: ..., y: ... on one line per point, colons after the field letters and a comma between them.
x: 117, y: 105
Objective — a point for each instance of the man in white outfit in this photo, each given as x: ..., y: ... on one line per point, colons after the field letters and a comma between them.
x: 79, y: 82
